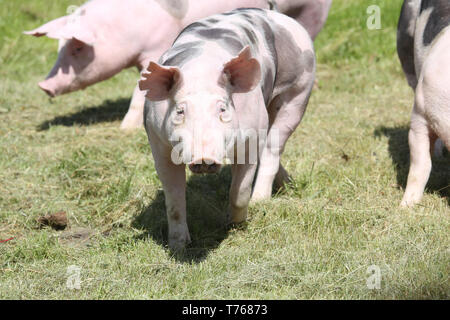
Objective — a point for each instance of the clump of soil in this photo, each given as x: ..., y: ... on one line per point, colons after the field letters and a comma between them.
x: 57, y: 221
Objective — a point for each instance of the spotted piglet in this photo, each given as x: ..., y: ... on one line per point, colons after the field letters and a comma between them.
x: 423, y: 45
x: 232, y: 86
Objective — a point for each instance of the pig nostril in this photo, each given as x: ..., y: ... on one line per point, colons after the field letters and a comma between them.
x: 47, y: 91
x: 204, y: 167
x: 213, y: 168
x: 196, y: 168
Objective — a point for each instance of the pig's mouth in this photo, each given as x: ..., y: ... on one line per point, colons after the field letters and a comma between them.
x: 205, y: 166
x: 51, y: 93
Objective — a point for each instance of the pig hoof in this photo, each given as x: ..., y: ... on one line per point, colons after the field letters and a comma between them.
x: 260, y: 196
x: 179, y: 242
x: 237, y: 215
x: 405, y: 204
x: 262, y: 191
x: 409, y: 202
x: 130, y: 125
x: 281, y: 182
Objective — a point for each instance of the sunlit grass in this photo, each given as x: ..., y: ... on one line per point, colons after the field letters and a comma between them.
x: 316, y: 239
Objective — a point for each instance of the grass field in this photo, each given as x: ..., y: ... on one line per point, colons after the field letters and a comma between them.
x: 314, y: 240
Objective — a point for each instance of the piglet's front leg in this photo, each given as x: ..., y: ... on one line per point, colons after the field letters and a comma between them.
x: 173, y: 179
x: 174, y: 184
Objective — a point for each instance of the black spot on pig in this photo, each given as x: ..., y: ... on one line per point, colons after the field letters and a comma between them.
x: 213, y: 20
x: 215, y: 33
x: 249, y: 9
x: 250, y: 34
x: 405, y: 40
x: 226, y: 38
x: 191, y: 28
x: 267, y: 85
x: 233, y: 45
x: 438, y: 20
x: 179, y: 58
x: 246, y: 16
x: 262, y: 24
x: 307, y: 60
x: 187, y: 45
x: 196, y: 25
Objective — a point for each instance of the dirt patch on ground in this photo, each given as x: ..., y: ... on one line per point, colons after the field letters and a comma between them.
x: 57, y: 221
x: 78, y: 236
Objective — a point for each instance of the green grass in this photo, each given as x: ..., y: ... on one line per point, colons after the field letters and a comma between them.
x: 315, y: 240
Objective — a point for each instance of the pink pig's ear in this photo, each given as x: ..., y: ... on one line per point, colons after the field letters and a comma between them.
x: 50, y: 29
x: 64, y: 28
x: 159, y: 82
x: 243, y: 72
x: 78, y: 32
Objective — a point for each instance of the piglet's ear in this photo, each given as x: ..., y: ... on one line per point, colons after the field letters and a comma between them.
x: 65, y: 28
x: 50, y: 29
x: 77, y: 31
x: 243, y: 72
x: 159, y: 81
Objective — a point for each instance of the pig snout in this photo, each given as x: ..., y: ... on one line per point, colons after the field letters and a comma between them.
x: 205, y: 165
x: 207, y: 151
x: 56, y: 86
x: 47, y: 88
x: 59, y: 85
x: 60, y: 81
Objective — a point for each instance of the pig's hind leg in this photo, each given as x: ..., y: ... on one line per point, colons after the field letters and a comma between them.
x: 312, y: 15
x: 420, y: 159
x: 135, y: 115
x: 240, y: 191
x: 429, y: 120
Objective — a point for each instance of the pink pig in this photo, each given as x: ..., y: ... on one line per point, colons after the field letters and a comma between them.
x: 103, y: 37
x: 233, y: 86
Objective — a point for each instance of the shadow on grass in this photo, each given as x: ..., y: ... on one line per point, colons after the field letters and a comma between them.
x: 207, y: 203
x: 108, y: 111
x: 399, y: 152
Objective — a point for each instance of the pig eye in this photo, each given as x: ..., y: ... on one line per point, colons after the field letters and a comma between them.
x: 179, y: 114
x: 222, y: 106
x: 77, y: 50
x: 180, y: 109
x: 225, y: 114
